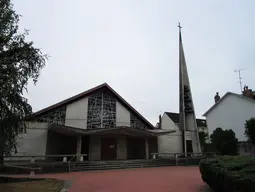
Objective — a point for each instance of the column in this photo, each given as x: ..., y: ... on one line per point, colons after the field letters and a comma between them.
x: 147, y: 155
x: 121, y: 148
x: 78, y: 149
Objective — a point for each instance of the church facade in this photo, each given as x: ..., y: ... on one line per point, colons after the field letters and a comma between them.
x: 97, y: 124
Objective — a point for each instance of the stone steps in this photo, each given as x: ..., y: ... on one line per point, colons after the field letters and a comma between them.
x: 107, y: 165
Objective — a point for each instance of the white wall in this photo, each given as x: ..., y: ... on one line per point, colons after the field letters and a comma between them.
x: 122, y: 115
x: 167, y: 123
x: 76, y: 114
x: 170, y: 143
x: 33, y: 142
x: 190, y: 122
x: 231, y: 113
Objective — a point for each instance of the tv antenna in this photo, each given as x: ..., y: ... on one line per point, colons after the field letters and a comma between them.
x: 240, y: 78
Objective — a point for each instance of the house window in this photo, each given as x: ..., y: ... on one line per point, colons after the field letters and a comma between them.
x: 101, y: 111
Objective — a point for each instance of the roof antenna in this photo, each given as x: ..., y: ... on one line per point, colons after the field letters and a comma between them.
x: 240, y: 78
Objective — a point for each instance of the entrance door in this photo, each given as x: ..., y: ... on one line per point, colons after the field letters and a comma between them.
x: 135, y: 148
x: 85, y: 147
x: 108, y: 149
x: 153, y: 146
x: 189, y: 146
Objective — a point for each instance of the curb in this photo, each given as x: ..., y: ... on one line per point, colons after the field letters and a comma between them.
x: 67, y: 185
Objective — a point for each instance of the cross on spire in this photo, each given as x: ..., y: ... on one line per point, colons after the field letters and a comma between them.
x: 179, y: 26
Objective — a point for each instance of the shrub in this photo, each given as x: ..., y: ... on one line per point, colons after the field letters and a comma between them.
x: 229, y: 173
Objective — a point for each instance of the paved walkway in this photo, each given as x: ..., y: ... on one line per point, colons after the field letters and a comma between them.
x: 163, y: 179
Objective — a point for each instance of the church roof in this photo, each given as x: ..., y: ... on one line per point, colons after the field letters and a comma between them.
x: 129, y: 131
x: 175, y: 119
x: 85, y: 94
x: 225, y: 96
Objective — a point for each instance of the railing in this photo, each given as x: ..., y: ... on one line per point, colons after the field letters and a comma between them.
x: 65, y: 158
x: 181, y: 155
x: 38, y: 158
x: 25, y: 159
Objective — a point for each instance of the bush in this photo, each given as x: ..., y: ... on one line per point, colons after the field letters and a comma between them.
x: 226, y: 173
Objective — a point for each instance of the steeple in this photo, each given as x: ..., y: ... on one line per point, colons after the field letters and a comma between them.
x: 186, y: 107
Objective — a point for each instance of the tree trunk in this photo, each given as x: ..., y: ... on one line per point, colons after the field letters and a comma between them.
x: 1, y: 145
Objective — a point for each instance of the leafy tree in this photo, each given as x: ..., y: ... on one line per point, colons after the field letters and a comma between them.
x: 19, y: 62
x: 250, y: 130
x: 224, y: 141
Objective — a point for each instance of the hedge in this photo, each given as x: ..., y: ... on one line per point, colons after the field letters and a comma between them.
x: 229, y: 173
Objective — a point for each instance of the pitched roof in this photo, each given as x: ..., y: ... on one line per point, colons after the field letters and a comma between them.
x: 85, y: 94
x: 225, y: 96
x: 175, y: 119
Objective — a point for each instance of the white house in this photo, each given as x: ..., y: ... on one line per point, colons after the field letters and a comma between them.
x: 230, y: 112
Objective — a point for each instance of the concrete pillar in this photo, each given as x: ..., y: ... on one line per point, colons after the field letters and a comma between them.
x: 121, y: 147
x: 147, y: 155
x: 78, y: 149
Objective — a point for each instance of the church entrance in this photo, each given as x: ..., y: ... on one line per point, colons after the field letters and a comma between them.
x: 85, y: 147
x: 108, y: 149
x: 189, y: 146
x: 135, y: 148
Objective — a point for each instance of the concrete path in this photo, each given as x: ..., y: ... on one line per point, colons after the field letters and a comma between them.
x: 163, y: 179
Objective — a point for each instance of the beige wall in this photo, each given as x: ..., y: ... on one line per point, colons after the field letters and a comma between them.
x: 167, y: 123
x: 170, y: 143
x: 33, y: 142
x: 76, y: 114
x: 122, y: 115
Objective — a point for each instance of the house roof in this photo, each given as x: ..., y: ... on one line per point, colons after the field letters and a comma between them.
x: 175, y: 119
x: 225, y: 96
x: 85, y: 94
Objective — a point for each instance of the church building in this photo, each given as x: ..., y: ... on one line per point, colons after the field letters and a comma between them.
x: 99, y: 124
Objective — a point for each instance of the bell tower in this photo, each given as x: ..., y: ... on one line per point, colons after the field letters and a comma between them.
x: 188, y: 124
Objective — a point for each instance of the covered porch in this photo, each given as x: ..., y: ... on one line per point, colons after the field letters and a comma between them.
x: 119, y: 143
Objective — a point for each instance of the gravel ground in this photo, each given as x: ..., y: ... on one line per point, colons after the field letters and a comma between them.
x: 47, y: 185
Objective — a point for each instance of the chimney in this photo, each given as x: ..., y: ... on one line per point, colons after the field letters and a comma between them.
x: 160, y: 122
x: 247, y: 92
x: 216, y: 97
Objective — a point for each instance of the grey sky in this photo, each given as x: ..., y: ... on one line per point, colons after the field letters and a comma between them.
x: 133, y: 46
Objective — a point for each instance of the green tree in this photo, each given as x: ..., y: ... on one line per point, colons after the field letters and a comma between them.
x: 19, y: 62
x: 250, y: 130
x: 224, y: 141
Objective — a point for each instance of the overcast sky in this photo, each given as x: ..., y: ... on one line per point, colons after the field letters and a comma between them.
x: 133, y: 46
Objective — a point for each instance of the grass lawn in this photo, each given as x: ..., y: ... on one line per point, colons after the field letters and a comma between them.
x: 47, y: 185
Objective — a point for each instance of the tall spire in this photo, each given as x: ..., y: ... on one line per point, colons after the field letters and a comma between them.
x: 187, y: 121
